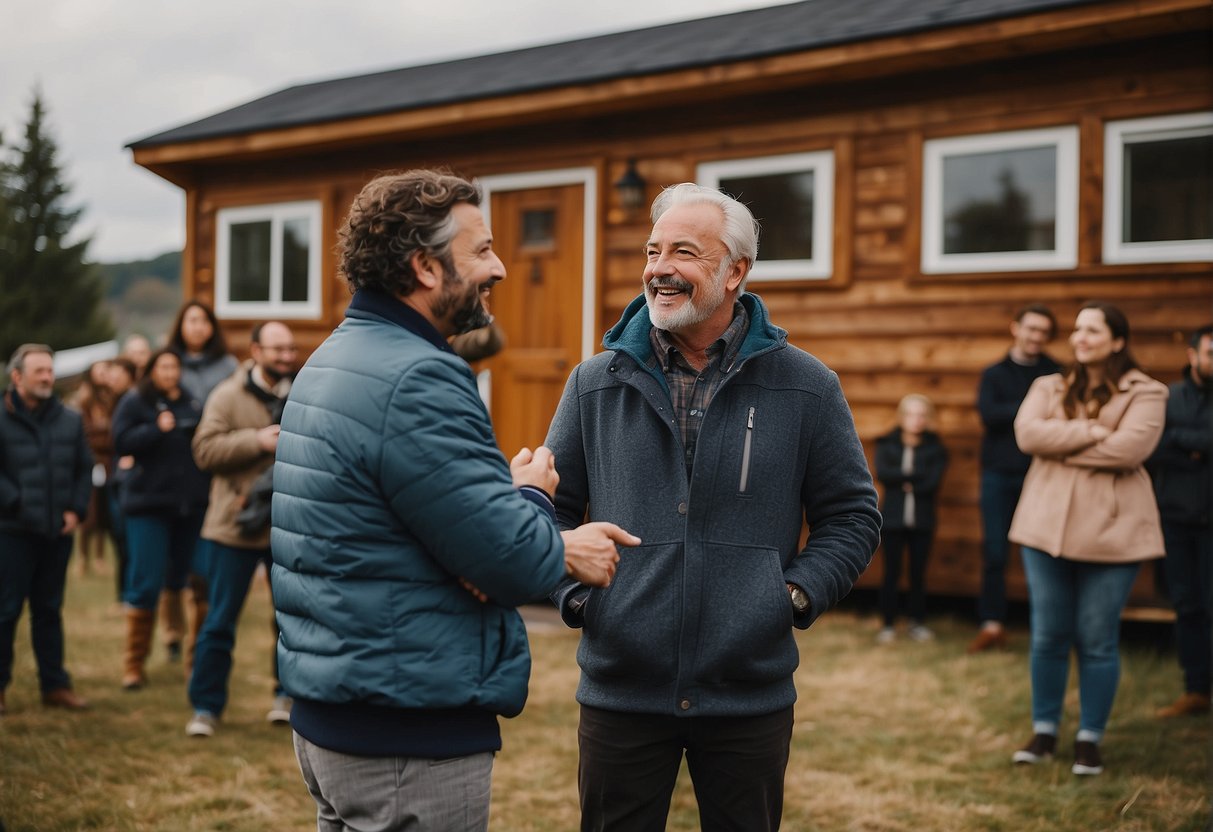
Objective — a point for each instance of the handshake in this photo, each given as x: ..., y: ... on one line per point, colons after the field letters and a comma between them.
x: 590, y: 553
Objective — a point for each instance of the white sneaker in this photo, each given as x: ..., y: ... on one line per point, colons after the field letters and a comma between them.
x: 887, y: 635
x: 920, y: 632
x: 202, y: 724
x: 280, y: 711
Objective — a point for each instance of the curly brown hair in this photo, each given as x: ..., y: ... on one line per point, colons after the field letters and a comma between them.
x: 395, y: 216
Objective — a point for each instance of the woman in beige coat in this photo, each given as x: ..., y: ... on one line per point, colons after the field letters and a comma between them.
x: 1086, y: 520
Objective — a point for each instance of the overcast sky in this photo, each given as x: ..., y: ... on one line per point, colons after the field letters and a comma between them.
x: 113, y: 71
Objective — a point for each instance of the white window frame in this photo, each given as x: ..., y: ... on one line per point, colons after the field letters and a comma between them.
x: 275, y: 307
x: 1116, y: 135
x: 821, y: 163
x: 1064, y: 140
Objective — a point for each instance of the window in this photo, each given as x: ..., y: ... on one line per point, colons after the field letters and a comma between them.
x: 792, y: 197
x: 1158, y: 189
x: 268, y: 261
x: 1001, y: 202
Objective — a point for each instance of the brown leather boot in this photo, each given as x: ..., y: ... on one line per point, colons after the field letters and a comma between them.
x: 172, y: 618
x: 1190, y: 704
x: 64, y: 698
x: 200, y: 609
x: 139, y: 626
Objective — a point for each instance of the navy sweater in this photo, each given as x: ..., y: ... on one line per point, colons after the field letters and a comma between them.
x: 1001, y: 392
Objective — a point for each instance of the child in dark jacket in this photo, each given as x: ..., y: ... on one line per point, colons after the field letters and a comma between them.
x: 910, y: 461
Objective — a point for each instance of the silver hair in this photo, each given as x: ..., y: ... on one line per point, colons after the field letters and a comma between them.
x: 17, y: 362
x: 740, y: 232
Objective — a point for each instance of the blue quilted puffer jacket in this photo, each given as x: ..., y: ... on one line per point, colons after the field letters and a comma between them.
x: 389, y: 488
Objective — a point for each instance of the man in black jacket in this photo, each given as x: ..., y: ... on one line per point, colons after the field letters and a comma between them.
x: 1181, y: 473
x: 45, y: 481
x: 1003, y: 465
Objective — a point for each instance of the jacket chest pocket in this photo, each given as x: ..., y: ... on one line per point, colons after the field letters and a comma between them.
x: 747, y: 453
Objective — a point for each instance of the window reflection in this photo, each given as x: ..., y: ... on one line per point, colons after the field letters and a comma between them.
x: 1168, y: 190
x: 249, y: 262
x: 295, y: 259
x: 1000, y: 201
x: 783, y: 205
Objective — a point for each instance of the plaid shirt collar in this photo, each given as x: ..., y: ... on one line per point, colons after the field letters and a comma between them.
x: 666, y: 352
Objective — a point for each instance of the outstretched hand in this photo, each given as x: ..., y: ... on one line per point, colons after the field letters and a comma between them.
x: 591, y: 554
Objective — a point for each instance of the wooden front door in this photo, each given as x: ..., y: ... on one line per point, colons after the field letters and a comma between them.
x: 539, y: 236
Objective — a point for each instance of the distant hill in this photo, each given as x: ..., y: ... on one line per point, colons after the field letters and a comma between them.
x: 143, y: 295
x: 119, y: 277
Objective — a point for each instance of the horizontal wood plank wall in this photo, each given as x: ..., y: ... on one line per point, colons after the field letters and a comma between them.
x: 884, y: 327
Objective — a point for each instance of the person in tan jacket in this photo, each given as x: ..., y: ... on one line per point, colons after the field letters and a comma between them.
x: 1086, y: 520
x: 235, y: 441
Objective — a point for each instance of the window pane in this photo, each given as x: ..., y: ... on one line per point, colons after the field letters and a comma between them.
x: 538, y: 228
x: 295, y: 233
x: 1168, y: 190
x: 249, y: 263
x: 1000, y: 201
x: 783, y: 205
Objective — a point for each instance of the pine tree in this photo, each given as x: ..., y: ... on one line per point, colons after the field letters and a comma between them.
x: 48, y: 292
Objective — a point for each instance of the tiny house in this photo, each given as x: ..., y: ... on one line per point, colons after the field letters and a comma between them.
x: 920, y: 168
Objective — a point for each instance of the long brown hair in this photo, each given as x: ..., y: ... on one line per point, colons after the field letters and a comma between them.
x: 1080, y: 398
x: 215, y: 346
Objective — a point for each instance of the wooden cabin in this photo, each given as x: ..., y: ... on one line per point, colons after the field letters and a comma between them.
x: 921, y: 170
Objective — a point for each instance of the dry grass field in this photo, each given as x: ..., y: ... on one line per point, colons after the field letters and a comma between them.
x: 906, y: 738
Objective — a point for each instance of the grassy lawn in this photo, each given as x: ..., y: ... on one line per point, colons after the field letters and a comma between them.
x: 905, y: 738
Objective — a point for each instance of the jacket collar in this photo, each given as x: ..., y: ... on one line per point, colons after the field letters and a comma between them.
x: 631, y: 334
x: 383, y: 305
x: 15, y: 405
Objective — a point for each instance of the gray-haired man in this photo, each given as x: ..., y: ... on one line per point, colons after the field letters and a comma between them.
x: 45, y: 483
x: 705, y: 433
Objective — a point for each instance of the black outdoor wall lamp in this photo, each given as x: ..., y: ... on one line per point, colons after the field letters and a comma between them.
x: 631, y: 188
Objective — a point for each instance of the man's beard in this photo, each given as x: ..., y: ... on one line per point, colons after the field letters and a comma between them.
x: 39, y: 392
x: 696, y: 310
x: 464, y: 309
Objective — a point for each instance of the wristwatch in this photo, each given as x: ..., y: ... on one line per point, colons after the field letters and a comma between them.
x: 800, y: 599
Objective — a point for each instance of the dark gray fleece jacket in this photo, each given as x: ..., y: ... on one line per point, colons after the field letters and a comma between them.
x: 697, y: 621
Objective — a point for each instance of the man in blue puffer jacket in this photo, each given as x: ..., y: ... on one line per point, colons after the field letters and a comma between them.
x: 705, y: 432
x: 402, y: 540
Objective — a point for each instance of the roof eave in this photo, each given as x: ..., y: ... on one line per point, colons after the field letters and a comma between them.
x: 954, y: 46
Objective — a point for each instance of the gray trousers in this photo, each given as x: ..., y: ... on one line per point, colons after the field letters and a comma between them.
x: 395, y: 794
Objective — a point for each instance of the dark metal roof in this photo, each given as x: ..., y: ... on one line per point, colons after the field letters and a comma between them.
x: 794, y: 27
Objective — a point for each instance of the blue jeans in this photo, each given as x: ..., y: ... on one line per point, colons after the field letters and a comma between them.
x: 161, y: 549
x: 1075, y: 606
x: 35, y: 568
x: 1190, y: 585
x: 999, y: 496
x: 230, y: 572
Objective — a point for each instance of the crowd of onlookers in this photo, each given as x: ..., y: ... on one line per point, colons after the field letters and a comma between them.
x: 170, y: 479
x: 143, y: 455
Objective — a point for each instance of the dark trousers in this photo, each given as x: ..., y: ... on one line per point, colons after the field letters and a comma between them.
x: 35, y: 568
x: 629, y: 764
x: 895, y: 542
x: 230, y: 570
x: 1190, y: 585
x: 999, y: 497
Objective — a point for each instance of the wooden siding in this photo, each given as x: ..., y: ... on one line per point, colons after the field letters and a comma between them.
x: 883, y: 326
